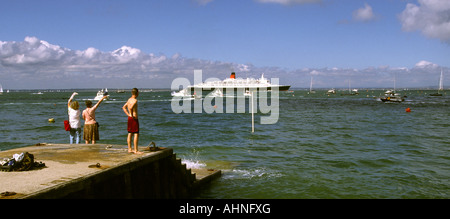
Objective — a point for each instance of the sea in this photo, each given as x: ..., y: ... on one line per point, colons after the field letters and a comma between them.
x: 321, y: 147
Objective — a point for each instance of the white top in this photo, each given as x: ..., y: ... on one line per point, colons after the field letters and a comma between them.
x: 74, y: 118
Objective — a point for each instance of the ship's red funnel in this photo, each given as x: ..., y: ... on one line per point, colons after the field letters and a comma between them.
x: 233, y: 75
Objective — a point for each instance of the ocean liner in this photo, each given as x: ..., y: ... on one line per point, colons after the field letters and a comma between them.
x: 239, y: 83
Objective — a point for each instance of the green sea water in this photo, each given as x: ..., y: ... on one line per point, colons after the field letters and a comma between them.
x: 321, y: 147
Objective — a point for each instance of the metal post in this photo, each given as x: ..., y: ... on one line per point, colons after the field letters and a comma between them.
x: 253, y: 114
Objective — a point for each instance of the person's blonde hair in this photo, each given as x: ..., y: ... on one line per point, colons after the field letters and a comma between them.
x: 75, y: 105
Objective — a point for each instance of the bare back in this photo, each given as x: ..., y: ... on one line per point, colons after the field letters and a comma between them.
x: 130, y: 108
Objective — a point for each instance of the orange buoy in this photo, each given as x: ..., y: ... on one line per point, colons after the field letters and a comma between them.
x: 408, y: 110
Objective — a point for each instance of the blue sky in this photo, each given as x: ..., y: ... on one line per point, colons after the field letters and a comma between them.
x: 289, y: 39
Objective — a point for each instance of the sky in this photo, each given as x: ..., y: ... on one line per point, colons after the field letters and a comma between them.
x: 57, y: 44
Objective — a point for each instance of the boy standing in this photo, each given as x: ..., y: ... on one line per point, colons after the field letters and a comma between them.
x: 130, y: 108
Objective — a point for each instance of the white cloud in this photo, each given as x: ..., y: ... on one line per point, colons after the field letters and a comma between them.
x: 126, y: 54
x: 30, y: 51
x: 35, y: 63
x: 90, y: 53
x: 425, y: 64
x: 430, y: 17
x: 289, y: 2
x: 364, y: 14
x: 243, y: 68
x: 35, y: 60
x: 315, y: 72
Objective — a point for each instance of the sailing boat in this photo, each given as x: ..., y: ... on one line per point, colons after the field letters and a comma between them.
x: 441, y: 86
x: 311, y: 91
x: 1, y: 89
x: 350, y: 91
x: 391, y: 96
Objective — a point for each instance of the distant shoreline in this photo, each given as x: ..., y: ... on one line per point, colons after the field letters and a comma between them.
x: 168, y: 89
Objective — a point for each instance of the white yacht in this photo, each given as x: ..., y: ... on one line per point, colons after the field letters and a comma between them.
x: 391, y: 96
x: 331, y: 91
x: 101, y: 93
x: 182, y: 93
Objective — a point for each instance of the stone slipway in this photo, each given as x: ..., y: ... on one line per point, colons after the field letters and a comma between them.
x: 102, y: 171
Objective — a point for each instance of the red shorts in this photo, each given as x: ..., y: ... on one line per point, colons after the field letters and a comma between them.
x: 133, y: 125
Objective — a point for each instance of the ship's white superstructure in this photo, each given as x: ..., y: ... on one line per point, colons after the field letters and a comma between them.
x: 239, y: 83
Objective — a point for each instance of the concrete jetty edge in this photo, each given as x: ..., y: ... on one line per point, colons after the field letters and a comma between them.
x: 102, y: 171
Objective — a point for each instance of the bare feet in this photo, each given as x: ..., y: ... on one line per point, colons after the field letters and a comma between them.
x: 135, y: 152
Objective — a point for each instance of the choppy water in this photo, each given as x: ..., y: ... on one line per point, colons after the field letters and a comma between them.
x: 321, y: 146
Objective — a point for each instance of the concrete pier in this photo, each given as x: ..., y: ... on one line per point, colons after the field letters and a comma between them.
x: 102, y: 171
